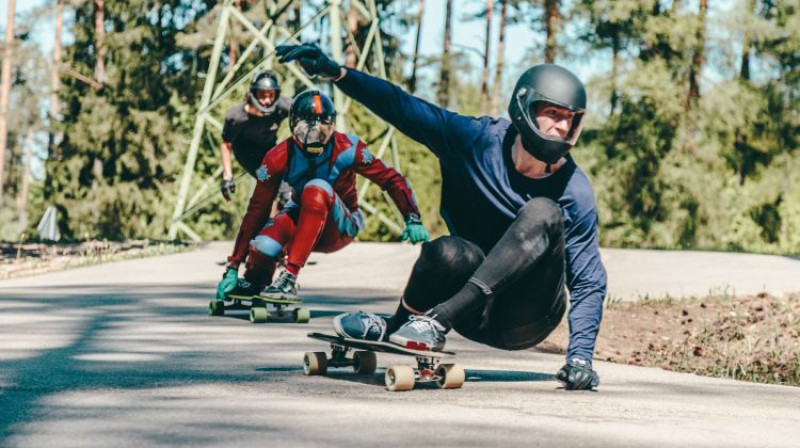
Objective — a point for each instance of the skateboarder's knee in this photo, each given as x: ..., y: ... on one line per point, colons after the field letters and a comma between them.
x: 449, y: 253
x: 538, y: 215
x: 265, y: 245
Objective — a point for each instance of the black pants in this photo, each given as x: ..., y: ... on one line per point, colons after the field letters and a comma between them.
x: 524, y: 272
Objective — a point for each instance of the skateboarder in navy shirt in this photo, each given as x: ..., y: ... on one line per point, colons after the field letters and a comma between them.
x: 319, y: 165
x: 251, y: 128
x: 521, y: 214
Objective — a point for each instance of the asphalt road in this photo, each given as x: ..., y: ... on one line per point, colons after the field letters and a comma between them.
x: 124, y: 354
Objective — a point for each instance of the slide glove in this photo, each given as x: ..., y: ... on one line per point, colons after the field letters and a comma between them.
x: 311, y: 58
x: 230, y: 279
x: 577, y: 374
x: 228, y: 188
x: 415, y: 232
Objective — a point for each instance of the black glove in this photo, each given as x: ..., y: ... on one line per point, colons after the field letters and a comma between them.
x: 577, y: 374
x: 311, y: 58
x: 228, y: 188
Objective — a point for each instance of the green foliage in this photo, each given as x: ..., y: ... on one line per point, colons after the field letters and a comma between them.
x: 113, y: 174
x: 716, y: 172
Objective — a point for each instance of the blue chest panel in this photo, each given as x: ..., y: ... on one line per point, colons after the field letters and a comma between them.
x: 303, y: 169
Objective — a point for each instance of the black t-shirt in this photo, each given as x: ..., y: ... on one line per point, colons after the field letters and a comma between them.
x: 253, y: 136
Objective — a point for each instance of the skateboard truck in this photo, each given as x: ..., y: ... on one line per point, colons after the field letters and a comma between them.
x: 259, y: 308
x: 428, y: 369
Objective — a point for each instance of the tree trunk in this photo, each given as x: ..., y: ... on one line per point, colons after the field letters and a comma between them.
x: 297, y: 16
x: 744, y: 69
x: 697, y: 58
x: 498, y: 69
x: 351, y: 57
x: 99, y: 42
x: 233, y: 44
x: 551, y: 24
x: 22, y: 199
x: 55, y: 78
x: 444, y: 79
x: 488, y: 40
x: 412, y: 83
x: 5, y: 90
x: 615, y: 49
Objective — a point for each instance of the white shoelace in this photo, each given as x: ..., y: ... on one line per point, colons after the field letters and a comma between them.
x: 373, y: 322
x: 423, y: 323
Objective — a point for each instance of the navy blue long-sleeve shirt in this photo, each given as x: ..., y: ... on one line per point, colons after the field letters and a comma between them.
x: 482, y: 192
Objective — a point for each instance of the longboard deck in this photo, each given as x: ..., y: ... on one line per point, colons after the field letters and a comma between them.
x: 259, y: 298
x: 378, y: 346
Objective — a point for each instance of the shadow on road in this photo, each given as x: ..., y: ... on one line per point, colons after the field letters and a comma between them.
x: 476, y: 376
x: 88, y: 318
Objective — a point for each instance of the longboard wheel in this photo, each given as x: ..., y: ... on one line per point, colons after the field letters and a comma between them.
x: 301, y: 315
x: 258, y: 314
x: 451, y: 376
x: 399, y: 378
x: 364, y: 362
x: 315, y: 363
x: 216, y: 308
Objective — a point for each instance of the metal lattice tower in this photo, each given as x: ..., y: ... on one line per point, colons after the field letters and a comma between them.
x: 271, y: 34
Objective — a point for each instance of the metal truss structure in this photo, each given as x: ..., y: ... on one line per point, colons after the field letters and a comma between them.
x: 268, y: 36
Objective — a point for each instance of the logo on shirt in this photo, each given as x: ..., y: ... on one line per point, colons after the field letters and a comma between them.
x: 366, y: 157
x: 262, y: 174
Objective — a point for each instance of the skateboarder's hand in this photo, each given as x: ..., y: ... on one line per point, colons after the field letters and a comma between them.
x: 228, y: 188
x: 415, y: 232
x: 577, y: 374
x: 311, y: 58
x: 229, y: 281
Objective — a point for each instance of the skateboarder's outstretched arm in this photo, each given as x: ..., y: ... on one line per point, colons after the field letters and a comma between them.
x: 442, y: 131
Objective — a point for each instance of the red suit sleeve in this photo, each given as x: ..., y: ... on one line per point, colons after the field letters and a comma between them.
x: 268, y: 180
x: 389, y: 179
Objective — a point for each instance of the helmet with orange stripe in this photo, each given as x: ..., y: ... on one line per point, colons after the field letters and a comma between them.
x: 312, y: 119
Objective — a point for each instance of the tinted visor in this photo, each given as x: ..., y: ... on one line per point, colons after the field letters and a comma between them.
x: 313, y: 135
x: 551, y: 119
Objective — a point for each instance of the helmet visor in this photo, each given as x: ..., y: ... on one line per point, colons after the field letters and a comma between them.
x: 550, y: 119
x: 313, y: 135
x: 265, y: 97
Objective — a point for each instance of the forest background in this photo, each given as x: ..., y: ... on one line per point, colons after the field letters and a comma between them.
x: 691, y: 141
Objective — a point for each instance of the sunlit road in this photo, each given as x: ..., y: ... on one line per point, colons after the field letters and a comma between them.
x: 124, y: 354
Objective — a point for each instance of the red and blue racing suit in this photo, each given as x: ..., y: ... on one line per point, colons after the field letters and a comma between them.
x: 323, y: 215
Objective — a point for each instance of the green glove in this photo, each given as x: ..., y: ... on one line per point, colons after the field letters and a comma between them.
x: 229, y: 281
x: 415, y: 232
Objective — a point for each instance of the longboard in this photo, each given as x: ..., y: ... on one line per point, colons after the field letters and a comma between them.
x: 260, y: 308
x: 429, y: 369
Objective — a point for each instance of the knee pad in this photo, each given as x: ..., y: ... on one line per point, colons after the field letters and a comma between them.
x: 317, y: 194
x: 265, y: 245
x: 541, y: 211
x: 451, y: 254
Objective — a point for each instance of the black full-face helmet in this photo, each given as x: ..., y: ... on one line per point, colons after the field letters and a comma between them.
x: 312, y: 120
x: 539, y: 86
x: 264, y: 81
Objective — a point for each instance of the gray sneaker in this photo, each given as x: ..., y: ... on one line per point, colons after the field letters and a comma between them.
x: 360, y: 325
x: 283, y: 288
x: 420, y: 333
